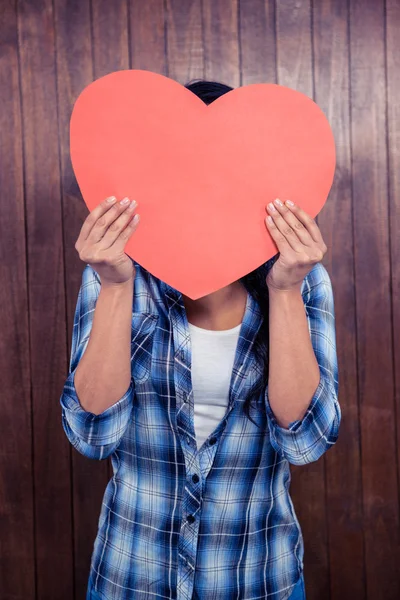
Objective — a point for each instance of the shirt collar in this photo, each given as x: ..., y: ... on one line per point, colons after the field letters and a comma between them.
x: 173, y: 296
x: 252, y: 317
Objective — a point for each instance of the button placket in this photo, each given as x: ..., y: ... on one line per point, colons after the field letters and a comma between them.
x: 191, y: 497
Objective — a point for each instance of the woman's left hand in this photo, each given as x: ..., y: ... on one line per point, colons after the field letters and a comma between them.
x: 299, y: 242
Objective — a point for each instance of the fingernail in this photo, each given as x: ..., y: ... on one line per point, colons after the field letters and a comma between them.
x: 125, y: 201
x: 277, y: 201
x: 111, y: 199
x: 289, y: 202
x: 133, y: 204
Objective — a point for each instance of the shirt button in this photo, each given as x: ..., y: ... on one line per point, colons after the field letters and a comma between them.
x: 182, y: 356
x: 185, y: 398
x: 213, y: 440
x: 188, y: 439
x: 195, y: 478
x: 190, y: 518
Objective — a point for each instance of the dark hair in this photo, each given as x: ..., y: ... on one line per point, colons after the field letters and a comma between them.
x: 254, y: 282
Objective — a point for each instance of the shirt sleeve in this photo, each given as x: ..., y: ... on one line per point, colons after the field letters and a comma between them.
x: 94, y: 436
x: 305, y: 440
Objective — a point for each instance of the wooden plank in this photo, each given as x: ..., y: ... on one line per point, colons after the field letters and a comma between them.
x: 342, y: 463
x: 110, y: 36
x: 185, y: 40
x: 147, y: 36
x: 393, y: 129
x: 16, y: 476
x: 372, y: 268
x: 74, y: 72
x: 257, y: 41
x: 52, y: 482
x: 294, y: 45
x: 221, y: 41
x: 294, y: 68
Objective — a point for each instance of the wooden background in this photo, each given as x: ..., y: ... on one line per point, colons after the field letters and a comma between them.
x: 344, y: 54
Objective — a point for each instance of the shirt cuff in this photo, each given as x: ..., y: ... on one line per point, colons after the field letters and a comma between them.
x: 304, y: 440
x: 96, y: 430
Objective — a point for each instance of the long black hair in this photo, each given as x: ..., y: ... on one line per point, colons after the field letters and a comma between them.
x: 254, y: 282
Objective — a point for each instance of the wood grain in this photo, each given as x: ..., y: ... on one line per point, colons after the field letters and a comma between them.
x: 46, y: 289
x: 148, y: 39
x: 17, y: 519
x: 295, y: 69
x: 393, y: 138
x: 373, y: 304
x: 343, y: 463
x: 257, y: 41
x: 221, y: 43
x: 74, y: 72
x: 185, y: 56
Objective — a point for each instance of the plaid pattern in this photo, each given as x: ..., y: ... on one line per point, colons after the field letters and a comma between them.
x: 213, y: 523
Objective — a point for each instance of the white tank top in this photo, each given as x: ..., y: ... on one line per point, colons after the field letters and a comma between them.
x: 213, y: 354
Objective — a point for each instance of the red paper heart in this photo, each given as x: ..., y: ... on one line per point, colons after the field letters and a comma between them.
x: 202, y: 175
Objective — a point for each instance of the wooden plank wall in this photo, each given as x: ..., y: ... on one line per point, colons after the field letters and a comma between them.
x: 343, y: 53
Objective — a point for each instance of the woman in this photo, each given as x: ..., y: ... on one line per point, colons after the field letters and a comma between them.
x: 199, y: 503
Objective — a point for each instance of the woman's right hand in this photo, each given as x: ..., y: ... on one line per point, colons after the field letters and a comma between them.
x: 103, y: 237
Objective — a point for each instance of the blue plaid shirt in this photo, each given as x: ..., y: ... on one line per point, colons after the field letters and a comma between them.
x: 178, y: 522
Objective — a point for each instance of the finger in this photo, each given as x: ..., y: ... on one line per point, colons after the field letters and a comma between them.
x: 94, y: 215
x: 125, y: 234
x: 101, y: 225
x: 307, y: 220
x: 114, y: 230
x: 285, y: 229
x: 295, y: 224
x: 279, y: 239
